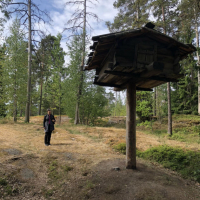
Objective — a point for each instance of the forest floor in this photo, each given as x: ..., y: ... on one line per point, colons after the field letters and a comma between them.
x: 81, y: 164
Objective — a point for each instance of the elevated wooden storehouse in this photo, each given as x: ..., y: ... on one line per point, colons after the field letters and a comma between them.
x: 137, y: 59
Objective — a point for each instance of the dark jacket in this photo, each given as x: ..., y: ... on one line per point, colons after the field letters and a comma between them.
x: 48, y: 127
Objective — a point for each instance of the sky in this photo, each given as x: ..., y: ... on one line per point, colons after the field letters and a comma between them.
x: 60, y: 14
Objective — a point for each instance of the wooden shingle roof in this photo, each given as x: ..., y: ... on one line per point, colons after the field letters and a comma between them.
x: 145, y: 55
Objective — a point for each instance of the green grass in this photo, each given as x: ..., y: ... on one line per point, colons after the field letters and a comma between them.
x: 76, y: 132
x: 67, y: 168
x: 3, y: 182
x: 53, y: 171
x: 186, y: 128
x: 121, y: 147
x: 6, y: 188
x: 184, y: 162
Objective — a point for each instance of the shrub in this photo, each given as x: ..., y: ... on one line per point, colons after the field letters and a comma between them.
x: 177, y: 136
x: 121, y: 147
x: 3, y: 182
x: 185, y: 162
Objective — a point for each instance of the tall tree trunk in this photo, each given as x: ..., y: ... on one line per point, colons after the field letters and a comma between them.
x: 154, y: 110
x: 15, y: 102
x: 168, y: 86
x: 131, y: 126
x: 169, y: 109
x: 60, y: 98
x: 41, y: 85
x: 15, y: 95
x: 77, y: 117
x: 21, y: 112
x: 27, y: 113
x: 198, y: 60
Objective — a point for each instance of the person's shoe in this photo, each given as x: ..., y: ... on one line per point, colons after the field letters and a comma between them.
x: 46, y: 145
x: 49, y: 144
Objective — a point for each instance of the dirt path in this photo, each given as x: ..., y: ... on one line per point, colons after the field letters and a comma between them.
x: 79, y: 165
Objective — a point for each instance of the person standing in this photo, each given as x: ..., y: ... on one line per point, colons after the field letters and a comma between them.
x: 48, y: 125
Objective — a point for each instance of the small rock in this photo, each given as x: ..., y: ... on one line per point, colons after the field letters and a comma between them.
x: 116, y: 168
x: 13, y: 151
x: 27, y: 173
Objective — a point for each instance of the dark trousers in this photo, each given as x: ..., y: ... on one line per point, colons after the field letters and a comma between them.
x: 47, y: 137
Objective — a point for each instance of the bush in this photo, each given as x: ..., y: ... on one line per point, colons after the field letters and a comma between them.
x: 121, y: 147
x: 195, y: 112
x: 185, y: 162
x: 177, y: 137
x: 187, y: 112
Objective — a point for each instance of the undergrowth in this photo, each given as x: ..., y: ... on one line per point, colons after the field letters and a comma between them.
x: 121, y: 147
x: 184, y: 162
x: 6, y: 189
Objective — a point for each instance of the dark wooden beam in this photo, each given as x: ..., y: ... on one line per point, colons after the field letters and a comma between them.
x: 126, y: 74
x: 144, y: 89
x: 118, y: 86
x: 107, y: 84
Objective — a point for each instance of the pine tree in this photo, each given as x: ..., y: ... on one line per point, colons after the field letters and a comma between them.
x: 2, y: 91
x: 93, y: 101
x: 78, y: 25
x: 132, y: 14
x: 44, y: 62
x: 58, y: 70
x: 15, y: 68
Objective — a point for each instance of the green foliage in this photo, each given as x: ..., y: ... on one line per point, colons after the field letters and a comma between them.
x: 185, y: 162
x: 2, y: 92
x: 67, y: 168
x: 15, y: 70
x: 184, y: 95
x: 3, y: 182
x: 146, y: 123
x: 144, y: 105
x: 121, y: 147
x: 132, y: 14
x: 93, y: 102
x: 119, y: 108
x: 162, y: 8
x: 53, y: 171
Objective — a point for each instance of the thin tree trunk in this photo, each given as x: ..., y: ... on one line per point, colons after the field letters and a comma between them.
x: 15, y: 102
x: 168, y: 87
x: 27, y: 113
x: 198, y: 60
x: 77, y: 115
x: 60, y: 99
x: 21, y: 112
x: 154, y: 111
x: 41, y: 87
x: 169, y: 109
x: 15, y: 95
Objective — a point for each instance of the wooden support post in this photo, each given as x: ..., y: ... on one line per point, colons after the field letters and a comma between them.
x: 131, y: 126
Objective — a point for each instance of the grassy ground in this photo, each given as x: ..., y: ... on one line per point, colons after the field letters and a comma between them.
x: 186, y: 128
x: 80, y: 164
